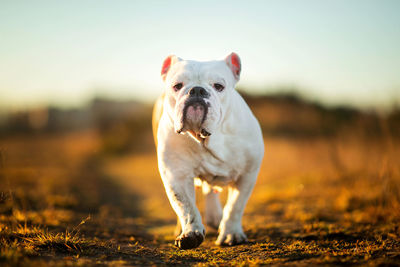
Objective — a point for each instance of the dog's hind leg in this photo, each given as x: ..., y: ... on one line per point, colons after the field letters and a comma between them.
x: 213, y: 209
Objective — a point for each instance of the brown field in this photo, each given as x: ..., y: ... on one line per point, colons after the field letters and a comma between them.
x: 321, y: 198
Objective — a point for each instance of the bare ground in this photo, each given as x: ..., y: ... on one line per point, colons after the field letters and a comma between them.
x: 322, y: 201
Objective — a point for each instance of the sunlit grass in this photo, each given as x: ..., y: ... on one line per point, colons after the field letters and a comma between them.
x: 24, y: 240
x: 325, y: 200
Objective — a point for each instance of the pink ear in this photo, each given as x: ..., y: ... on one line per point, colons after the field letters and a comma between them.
x: 234, y: 64
x: 168, y: 62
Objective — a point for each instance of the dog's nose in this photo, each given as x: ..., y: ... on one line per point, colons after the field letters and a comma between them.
x: 198, y: 92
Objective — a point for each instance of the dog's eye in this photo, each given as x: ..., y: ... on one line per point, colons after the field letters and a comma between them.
x: 178, y: 86
x: 219, y: 87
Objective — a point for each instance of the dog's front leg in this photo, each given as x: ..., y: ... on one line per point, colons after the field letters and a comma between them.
x: 181, y: 194
x: 230, y: 229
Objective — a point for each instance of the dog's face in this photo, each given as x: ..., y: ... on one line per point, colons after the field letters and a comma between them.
x: 197, y: 92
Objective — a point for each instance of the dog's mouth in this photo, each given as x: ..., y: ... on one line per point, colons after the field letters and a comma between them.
x: 194, y: 114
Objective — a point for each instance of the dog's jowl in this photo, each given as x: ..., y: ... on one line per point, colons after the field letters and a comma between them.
x: 204, y: 130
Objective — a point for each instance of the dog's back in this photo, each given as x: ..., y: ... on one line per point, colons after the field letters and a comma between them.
x: 157, y: 111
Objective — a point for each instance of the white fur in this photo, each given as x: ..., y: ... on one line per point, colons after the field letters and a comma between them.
x: 230, y: 157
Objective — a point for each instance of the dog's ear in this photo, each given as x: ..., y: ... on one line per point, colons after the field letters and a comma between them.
x: 233, y: 62
x: 168, y: 62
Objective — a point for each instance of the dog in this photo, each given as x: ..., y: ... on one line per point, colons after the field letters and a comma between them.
x: 205, y: 131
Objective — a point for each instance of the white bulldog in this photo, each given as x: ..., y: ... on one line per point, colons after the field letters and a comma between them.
x: 204, y: 129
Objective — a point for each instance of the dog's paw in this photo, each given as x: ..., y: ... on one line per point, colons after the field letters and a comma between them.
x: 189, y: 240
x: 231, y: 238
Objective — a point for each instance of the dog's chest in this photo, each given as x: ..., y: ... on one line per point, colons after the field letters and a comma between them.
x: 217, y: 171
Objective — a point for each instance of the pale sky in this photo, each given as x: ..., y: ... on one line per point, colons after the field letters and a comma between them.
x: 65, y: 52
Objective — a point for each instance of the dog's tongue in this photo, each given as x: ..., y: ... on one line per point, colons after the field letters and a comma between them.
x: 195, y: 114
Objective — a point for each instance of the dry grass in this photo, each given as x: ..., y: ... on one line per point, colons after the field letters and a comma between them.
x: 321, y: 200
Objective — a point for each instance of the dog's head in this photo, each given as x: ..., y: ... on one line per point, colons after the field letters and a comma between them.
x: 198, y: 92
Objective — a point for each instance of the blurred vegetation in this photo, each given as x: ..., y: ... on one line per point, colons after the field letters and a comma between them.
x: 288, y: 114
x: 280, y: 114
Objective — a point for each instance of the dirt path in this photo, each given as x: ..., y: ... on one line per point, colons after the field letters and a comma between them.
x: 315, y: 202
x: 306, y: 218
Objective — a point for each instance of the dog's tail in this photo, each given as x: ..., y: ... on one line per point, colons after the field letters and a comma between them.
x: 157, y: 111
